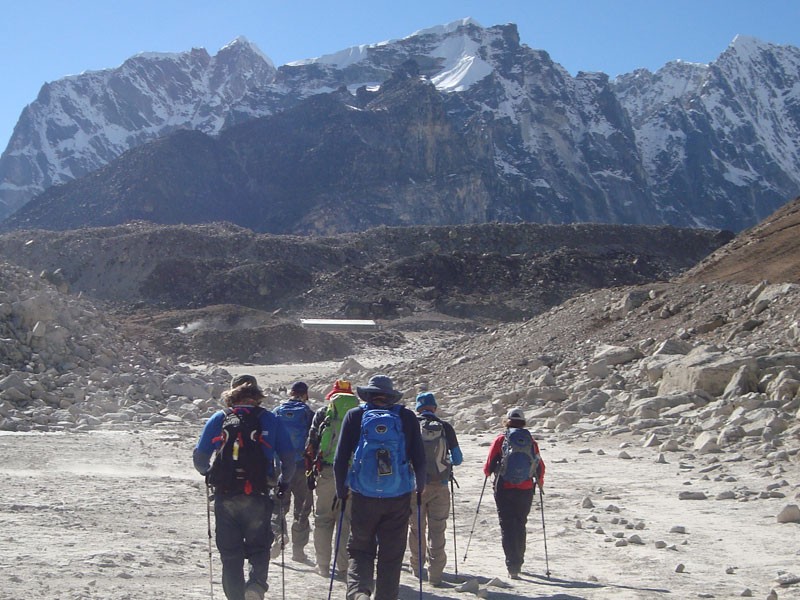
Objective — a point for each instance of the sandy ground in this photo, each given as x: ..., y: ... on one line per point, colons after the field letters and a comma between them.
x: 122, y: 515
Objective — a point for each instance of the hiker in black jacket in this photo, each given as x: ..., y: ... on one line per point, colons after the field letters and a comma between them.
x: 380, y: 484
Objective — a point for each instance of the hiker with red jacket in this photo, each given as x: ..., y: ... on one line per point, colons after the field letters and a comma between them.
x: 245, y: 439
x: 388, y: 462
x: 515, y: 462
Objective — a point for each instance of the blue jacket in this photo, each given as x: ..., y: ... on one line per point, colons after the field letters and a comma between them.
x: 272, y: 431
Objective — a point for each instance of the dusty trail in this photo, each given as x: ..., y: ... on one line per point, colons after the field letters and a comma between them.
x: 121, y: 515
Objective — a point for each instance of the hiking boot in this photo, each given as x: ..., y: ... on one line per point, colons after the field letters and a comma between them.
x: 324, y: 570
x: 253, y: 592
x: 275, y: 551
x: 513, y: 574
x: 299, y: 556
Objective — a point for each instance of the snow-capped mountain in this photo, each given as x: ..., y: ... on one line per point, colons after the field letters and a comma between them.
x: 713, y: 145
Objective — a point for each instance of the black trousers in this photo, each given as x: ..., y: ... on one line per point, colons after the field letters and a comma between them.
x: 513, y: 506
x: 378, y: 529
x: 243, y: 531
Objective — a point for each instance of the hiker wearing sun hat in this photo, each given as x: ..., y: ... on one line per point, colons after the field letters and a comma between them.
x: 518, y: 467
x: 441, y: 454
x: 245, y: 440
x: 388, y: 462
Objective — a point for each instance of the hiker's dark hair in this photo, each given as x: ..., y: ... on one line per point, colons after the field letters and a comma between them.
x: 247, y: 393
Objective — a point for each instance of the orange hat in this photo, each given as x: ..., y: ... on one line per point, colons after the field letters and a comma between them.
x: 340, y: 386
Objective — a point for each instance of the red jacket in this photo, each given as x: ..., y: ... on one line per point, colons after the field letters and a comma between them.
x: 496, y: 455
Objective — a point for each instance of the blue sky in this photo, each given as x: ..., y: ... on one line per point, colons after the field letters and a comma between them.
x: 43, y: 40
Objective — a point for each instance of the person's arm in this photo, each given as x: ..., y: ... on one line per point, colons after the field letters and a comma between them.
x: 540, y: 467
x: 348, y: 439
x: 495, y: 451
x: 456, y: 458
x: 312, y: 441
x: 414, y: 447
x: 201, y: 456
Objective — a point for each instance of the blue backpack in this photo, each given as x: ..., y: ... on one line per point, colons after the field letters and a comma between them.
x: 380, y: 466
x: 294, y: 416
x: 519, y: 461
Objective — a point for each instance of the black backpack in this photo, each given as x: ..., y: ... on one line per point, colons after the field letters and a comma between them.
x: 240, y: 465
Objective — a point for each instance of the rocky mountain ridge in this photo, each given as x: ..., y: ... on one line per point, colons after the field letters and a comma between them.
x: 688, y: 145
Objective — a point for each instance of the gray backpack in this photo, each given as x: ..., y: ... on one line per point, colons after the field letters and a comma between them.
x: 437, y: 459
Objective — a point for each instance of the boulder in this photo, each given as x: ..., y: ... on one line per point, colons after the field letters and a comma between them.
x: 703, y: 369
x: 616, y: 355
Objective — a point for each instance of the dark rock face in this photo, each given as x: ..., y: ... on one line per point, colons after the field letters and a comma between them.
x: 494, y: 272
x: 493, y: 132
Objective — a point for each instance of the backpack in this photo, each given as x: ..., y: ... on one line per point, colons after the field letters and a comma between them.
x: 380, y: 466
x: 295, y: 419
x: 338, y: 406
x: 437, y: 460
x: 519, y: 462
x: 240, y: 465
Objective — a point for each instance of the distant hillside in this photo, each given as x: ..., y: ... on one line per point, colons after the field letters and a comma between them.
x: 769, y: 251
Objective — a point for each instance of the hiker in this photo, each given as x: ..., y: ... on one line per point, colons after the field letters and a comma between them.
x: 320, y: 450
x: 441, y: 454
x: 295, y: 415
x: 244, y: 439
x: 515, y: 462
x: 388, y: 462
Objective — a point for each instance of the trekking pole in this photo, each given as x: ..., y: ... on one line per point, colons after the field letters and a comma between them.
x: 210, y: 559
x: 419, y: 540
x: 336, y: 545
x: 475, y: 520
x: 544, y: 533
x: 283, y: 540
x: 453, y: 504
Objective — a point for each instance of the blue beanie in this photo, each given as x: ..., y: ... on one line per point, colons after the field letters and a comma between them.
x: 425, y: 399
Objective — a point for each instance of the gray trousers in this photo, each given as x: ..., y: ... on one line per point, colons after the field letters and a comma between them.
x: 303, y: 504
x: 379, y: 529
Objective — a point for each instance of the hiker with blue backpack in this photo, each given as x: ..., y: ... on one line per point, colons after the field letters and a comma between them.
x: 244, y: 439
x: 383, y: 440
x: 320, y: 450
x: 441, y: 454
x: 515, y: 462
x: 296, y: 416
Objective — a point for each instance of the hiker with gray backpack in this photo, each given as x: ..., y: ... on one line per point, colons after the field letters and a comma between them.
x: 388, y: 462
x: 518, y: 468
x: 441, y: 454
x: 244, y: 439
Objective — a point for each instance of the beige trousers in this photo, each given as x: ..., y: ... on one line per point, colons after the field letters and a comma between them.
x: 326, y: 519
x: 435, y: 509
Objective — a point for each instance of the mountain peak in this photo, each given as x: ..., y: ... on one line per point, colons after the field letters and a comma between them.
x: 447, y: 28
x: 240, y: 44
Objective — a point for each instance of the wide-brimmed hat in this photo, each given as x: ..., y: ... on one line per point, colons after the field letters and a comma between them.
x: 379, y: 385
x: 242, y: 379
